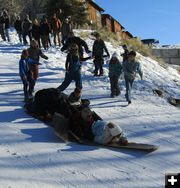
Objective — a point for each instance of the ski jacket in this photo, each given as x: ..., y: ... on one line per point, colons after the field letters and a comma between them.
x: 26, y: 26
x: 130, y: 69
x: 66, y: 28
x: 45, y: 30
x: 115, y: 69
x: 98, y: 48
x: 24, y: 65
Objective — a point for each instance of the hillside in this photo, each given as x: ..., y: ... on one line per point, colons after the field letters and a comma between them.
x: 32, y: 156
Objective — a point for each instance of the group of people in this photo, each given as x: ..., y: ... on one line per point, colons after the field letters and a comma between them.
x: 84, y: 123
x: 41, y: 31
x: 4, y: 25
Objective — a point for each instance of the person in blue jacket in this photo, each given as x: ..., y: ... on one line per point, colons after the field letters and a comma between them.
x: 115, y: 70
x: 131, y: 66
x: 73, y: 68
x: 25, y: 74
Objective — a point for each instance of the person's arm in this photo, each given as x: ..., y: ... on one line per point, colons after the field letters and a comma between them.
x: 32, y: 61
x: 106, y: 50
x: 43, y: 55
x: 140, y: 71
x: 84, y: 44
x: 85, y: 58
x: 21, y: 68
x: 67, y: 62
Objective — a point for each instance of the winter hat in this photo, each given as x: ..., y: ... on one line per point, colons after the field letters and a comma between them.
x: 115, y: 130
x: 133, y: 53
x: 35, y: 21
x: 114, y: 54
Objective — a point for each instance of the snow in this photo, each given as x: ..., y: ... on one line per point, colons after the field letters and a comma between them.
x: 32, y: 156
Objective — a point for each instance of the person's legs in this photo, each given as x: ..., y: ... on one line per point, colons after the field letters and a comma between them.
x: 31, y: 84
x: 112, y: 87
x: 7, y: 34
x: 116, y: 85
x: 129, y: 84
x: 78, y: 79
x: 68, y: 79
x: 20, y: 36
x: 25, y: 89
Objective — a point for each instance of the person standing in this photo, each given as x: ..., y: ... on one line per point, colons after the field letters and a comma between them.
x: 56, y: 28
x: 115, y: 70
x: 36, y: 31
x: 97, y: 53
x: 65, y: 31
x: 125, y: 54
x: 2, y: 26
x: 18, y: 27
x: 45, y: 33
x: 7, y: 27
x: 131, y: 66
x: 27, y: 29
x: 25, y: 74
x: 35, y: 53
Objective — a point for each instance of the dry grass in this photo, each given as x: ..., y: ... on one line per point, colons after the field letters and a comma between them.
x: 136, y: 45
x: 178, y: 69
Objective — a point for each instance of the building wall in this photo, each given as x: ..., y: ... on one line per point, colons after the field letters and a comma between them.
x: 170, y: 56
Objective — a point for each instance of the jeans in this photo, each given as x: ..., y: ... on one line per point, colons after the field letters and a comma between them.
x: 28, y: 82
x: 129, y: 84
x: 7, y: 34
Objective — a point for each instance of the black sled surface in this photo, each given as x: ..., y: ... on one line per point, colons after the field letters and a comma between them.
x: 62, y: 131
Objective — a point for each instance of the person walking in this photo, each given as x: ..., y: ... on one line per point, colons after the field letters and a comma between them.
x: 97, y: 53
x: 66, y: 28
x: 115, y: 70
x: 131, y: 66
x: 45, y: 30
x: 2, y: 26
x: 7, y: 26
x: 125, y: 54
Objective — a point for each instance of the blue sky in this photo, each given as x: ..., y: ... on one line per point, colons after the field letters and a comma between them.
x: 158, y: 19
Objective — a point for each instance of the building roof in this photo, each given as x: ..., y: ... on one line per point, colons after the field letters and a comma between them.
x: 95, y: 5
x: 110, y: 17
x: 128, y: 33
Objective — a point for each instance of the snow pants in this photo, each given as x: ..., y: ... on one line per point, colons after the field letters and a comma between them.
x: 115, y: 90
x: 76, y: 76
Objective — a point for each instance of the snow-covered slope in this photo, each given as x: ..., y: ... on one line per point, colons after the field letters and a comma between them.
x: 31, y: 156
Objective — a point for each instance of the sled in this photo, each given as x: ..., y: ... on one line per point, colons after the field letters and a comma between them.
x: 61, y: 130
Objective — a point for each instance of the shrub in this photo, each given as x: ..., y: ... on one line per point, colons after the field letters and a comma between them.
x: 136, y: 45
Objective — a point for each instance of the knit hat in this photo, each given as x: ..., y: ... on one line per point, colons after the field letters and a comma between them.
x: 133, y: 53
x: 35, y: 21
x: 114, y: 54
x: 115, y: 130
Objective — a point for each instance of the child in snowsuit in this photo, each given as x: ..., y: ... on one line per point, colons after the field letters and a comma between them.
x: 73, y: 68
x: 115, y: 70
x: 25, y: 74
x: 97, y: 53
x: 131, y: 66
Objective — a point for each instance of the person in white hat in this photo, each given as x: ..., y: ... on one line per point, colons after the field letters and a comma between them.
x: 107, y: 132
x: 115, y: 70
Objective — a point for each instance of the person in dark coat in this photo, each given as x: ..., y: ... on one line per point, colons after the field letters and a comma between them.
x: 2, y: 26
x: 45, y: 30
x: 27, y: 29
x: 25, y: 74
x: 125, y: 54
x: 131, y: 66
x: 73, y: 68
x: 36, y: 32
x: 66, y: 28
x: 75, y: 40
x: 7, y: 26
x: 97, y: 53
x: 18, y: 27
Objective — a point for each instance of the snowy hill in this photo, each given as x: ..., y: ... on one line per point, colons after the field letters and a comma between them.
x: 31, y: 156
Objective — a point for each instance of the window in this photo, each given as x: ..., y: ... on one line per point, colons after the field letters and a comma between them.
x: 98, y: 15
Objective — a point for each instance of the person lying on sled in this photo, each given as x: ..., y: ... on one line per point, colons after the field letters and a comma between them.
x: 87, y: 125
